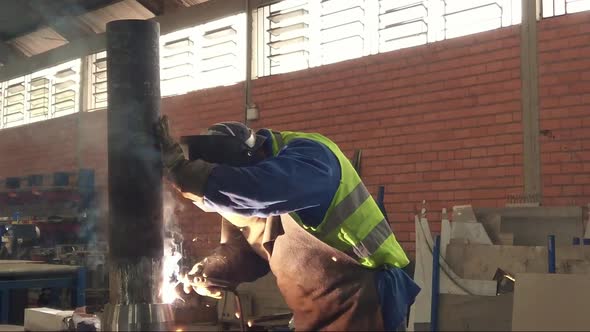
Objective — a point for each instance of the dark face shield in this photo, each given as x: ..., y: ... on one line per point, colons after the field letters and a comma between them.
x: 218, y: 149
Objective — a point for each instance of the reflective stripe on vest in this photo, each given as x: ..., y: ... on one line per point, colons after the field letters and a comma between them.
x: 353, y: 222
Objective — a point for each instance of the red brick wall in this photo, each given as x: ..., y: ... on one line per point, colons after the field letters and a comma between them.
x: 439, y: 122
x: 564, y: 88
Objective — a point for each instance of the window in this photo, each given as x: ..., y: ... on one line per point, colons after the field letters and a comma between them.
x: 98, y: 81
x: 39, y: 96
x: 468, y: 17
x: 178, y: 62
x: 343, y: 30
x: 45, y: 94
x: 204, y: 56
x: 223, y: 51
x: 561, y: 7
x: 283, y: 31
x: 402, y: 24
x: 14, y: 103
x: 66, y: 86
x: 298, y: 34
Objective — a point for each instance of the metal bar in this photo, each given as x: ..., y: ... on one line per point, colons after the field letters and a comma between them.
x: 551, y: 253
x: 249, y: 55
x: 435, y: 285
x: 36, y: 283
x: 136, y: 244
x: 239, y: 313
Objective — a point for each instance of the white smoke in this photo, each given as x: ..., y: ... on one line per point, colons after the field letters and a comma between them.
x: 172, y: 248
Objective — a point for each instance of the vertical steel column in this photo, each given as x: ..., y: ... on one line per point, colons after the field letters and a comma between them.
x: 529, y: 72
x: 135, y: 166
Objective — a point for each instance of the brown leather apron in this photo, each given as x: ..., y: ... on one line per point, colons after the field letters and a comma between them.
x: 325, y: 288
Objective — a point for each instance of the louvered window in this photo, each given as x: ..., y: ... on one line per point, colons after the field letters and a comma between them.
x: 469, y: 17
x: 178, y: 62
x: 66, y: 85
x: 222, y: 51
x: 343, y: 30
x: 98, y: 87
x: 204, y: 56
x: 39, y: 96
x: 402, y: 24
x: 283, y: 34
x: 14, y: 103
x: 561, y: 7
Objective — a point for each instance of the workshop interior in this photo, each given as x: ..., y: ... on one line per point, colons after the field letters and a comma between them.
x: 465, y: 120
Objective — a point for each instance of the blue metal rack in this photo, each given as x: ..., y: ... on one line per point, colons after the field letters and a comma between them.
x: 75, y: 281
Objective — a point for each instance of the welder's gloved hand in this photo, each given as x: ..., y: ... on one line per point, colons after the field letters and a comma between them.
x: 172, y: 155
x: 231, y: 263
x: 187, y: 176
x: 197, y: 280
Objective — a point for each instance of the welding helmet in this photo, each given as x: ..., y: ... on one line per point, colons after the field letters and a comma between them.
x: 228, y: 143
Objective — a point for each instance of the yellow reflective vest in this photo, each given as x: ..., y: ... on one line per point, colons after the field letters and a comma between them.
x: 353, y: 222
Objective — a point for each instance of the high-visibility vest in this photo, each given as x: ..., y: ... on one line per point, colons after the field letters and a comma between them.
x: 353, y: 222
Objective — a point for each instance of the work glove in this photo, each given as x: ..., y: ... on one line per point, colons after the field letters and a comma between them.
x: 172, y: 154
x: 202, y: 284
x: 187, y: 176
x: 231, y: 263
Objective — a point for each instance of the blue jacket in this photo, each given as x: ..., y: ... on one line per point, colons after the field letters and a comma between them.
x: 303, y: 177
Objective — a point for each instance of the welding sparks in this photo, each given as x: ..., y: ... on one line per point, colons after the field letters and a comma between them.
x: 250, y: 323
x: 170, y: 280
x: 172, y: 251
x: 237, y: 314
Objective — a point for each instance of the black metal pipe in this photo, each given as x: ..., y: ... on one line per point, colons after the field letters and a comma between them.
x: 134, y: 161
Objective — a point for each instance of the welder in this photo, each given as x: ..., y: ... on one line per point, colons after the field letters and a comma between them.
x: 293, y: 204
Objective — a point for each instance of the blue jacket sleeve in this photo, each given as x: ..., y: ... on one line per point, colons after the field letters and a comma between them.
x: 304, y: 177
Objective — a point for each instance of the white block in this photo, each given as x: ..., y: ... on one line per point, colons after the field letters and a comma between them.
x: 463, y: 213
x: 46, y: 319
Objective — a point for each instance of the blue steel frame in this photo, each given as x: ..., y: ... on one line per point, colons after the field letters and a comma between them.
x: 76, y: 282
x: 435, y: 285
x: 551, y: 253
